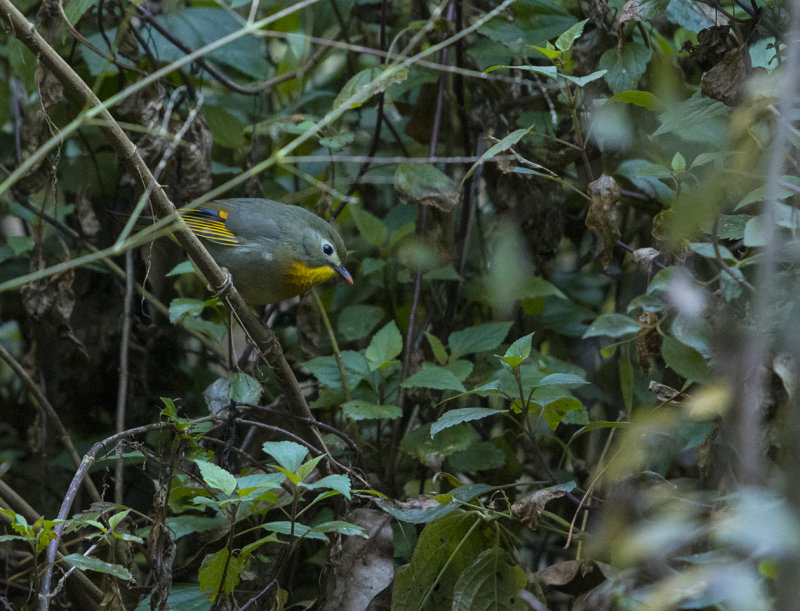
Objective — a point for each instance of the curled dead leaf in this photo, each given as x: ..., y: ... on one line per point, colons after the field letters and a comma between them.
x: 604, y: 213
x: 529, y: 508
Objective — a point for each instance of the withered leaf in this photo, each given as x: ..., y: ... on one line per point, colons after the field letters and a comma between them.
x: 604, y: 213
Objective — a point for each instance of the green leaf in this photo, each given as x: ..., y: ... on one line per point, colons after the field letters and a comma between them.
x: 216, y: 477
x: 190, y: 524
x: 341, y: 527
x: 645, y: 99
x: 181, y: 596
x: 340, y: 483
x: 184, y: 267
x: 433, y: 450
x: 479, y: 338
x: 357, y: 321
x: 480, y: 456
x: 612, y: 325
x: 562, y: 379
x: 244, y: 388
x: 439, y: 352
x: 385, y: 345
x: 369, y: 226
x: 432, y: 376
x: 326, y: 369
x: 288, y: 454
x: 504, y: 144
x: 417, y: 183
x: 518, y: 351
x: 463, y: 414
x: 600, y: 424
x: 678, y: 163
x: 301, y: 531
x: 492, y: 581
x: 358, y: 409
x: 86, y: 563
x: 214, y: 567
x: 555, y: 411
x: 446, y: 548
x: 181, y: 307
x: 367, y: 83
x: 625, y: 71
x: 684, y: 360
x: 565, y: 41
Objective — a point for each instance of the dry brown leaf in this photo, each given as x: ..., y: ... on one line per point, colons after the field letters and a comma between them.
x: 529, y: 508
x: 604, y: 213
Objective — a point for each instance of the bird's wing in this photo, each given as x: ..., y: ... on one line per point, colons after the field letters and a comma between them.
x: 209, y: 223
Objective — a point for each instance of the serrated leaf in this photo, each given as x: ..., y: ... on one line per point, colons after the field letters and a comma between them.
x: 216, y: 477
x: 432, y: 376
x: 358, y: 321
x: 288, y: 454
x: 460, y: 415
x: 385, y: 345
x: 612, y: 325
x: 479, y: 338
x: 244, y: 388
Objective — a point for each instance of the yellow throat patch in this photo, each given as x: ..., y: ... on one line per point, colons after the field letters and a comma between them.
x: 304, y: 277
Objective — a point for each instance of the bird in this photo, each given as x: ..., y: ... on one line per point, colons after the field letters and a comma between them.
x: 273, y: 251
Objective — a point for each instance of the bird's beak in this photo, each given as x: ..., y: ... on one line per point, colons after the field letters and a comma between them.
x: 342, y: 272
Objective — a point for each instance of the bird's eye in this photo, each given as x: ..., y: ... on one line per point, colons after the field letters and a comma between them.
x: 327, y: 249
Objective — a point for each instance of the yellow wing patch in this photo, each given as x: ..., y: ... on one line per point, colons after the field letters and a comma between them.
x: 210, y: 224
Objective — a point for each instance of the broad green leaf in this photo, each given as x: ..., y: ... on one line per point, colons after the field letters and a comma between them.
x: 326, y: 369
x: 385, y: 345
x: 244, y: 388
x: 216, y: 477
x: 369, y: 226
x: 184, y: 267
x: 191, y: 524
x: 426, y: 185
x: 432, y: 376
x: 582, y: 81
x: 684, y: 360
x: 358, y: 409
x: 479, y: 338
x: 340, y: 483
x: 214, y: 567
x: 446, y: 548
x: 565, y: 41
x: 612, y: 325
x: 518, y: 351
x: 181, y: 307
x: 492, y: 581
x: 463, y: 414
x: 625, y: 70
x: 555, y: 411
x: 358, y: 321
x: 288, y: 454
x: 480, y: 456
x: 86, y: 563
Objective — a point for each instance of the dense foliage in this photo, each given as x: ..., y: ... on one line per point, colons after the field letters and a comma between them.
x: 564, y: 377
